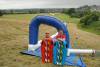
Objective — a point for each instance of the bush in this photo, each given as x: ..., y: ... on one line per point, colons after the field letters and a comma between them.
x: 1, y: 14
x: 88, y: 19
x: 95, y: 16
x: 71, y: 12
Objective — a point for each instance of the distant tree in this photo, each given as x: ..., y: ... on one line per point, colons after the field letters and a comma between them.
x: 71, y: 11
x: 95, y: 16
x: 34, y: 12
x: 30, y: 11
x: 42, y: 11
x: 88, y: 19
x: 65, y: 11
x: 84, y: 20
x: 78, y: 12
x: 11, y: 11
x: 1, y: 14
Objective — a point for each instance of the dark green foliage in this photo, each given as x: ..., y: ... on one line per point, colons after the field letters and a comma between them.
x: 71, y: 11
x: 78, y: 13
x: 1, y: 14
x: 95, y: 16
x: 30, y: 12
x: 88, y: 19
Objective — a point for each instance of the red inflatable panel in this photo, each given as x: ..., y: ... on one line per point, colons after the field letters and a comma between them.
x: 47, y: 50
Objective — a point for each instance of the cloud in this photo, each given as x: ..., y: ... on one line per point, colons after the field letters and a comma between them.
x: 19, y: 4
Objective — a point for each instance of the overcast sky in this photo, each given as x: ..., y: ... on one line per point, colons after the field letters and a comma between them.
x: 20, y: 4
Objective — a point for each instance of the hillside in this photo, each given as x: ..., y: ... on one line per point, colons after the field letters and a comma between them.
x: 93, y: 27
x: 90, y: 22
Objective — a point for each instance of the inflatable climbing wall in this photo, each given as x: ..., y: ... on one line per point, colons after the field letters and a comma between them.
x: 59, y: 53
x: 47, y: 51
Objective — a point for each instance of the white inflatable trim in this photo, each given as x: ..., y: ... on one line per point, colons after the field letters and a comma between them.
x: 35, y: 46
x: 79, y: 51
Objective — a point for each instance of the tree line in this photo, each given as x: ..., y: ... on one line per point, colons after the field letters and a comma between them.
x: 32, y: 11
x: 86, y: 16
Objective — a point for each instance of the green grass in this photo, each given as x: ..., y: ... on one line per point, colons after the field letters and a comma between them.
x: 19, y: 16
x: 93, y: 27
x: 28, y: 17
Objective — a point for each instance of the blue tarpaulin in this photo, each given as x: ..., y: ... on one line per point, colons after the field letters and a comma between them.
x: 72, y: 60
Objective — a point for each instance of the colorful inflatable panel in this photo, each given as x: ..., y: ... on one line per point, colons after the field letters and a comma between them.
x: 47, y: 50
x: 59, y: 52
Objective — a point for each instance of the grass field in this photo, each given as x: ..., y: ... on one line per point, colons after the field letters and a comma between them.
x: 14, y: 38
x: 93, y: 27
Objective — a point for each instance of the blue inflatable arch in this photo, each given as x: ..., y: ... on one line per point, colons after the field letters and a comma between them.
x: 33, y: 38
x: 34, y: 27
